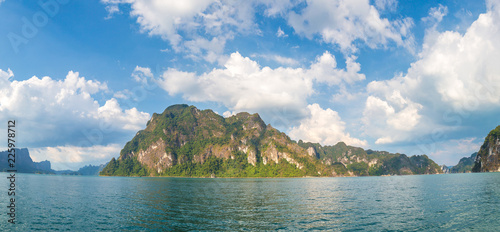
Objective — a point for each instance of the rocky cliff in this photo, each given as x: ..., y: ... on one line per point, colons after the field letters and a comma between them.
x: 488, y: 157
x: 351, y: 160
x: 24, y: 163
x: 186, y: 141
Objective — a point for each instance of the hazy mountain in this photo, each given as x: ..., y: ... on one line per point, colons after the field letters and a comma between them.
x: 24, y: 163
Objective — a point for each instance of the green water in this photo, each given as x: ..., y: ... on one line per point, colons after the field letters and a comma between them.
x: 469, y: 202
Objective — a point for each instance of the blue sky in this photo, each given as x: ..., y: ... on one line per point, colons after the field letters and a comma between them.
x: 82, y: 77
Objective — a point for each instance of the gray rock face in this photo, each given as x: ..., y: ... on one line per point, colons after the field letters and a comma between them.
x: 155, y: 156
x: 488, y: 157
x: 312, y: 152
x: 24, y: 163
x: 445, y: 169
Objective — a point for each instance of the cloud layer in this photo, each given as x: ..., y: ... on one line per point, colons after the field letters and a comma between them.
x: 202, y: 28
x: 455, y: 73
x: 56, y: 112
x: 344, y: 22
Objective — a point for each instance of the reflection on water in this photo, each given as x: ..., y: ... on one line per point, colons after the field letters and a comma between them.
x: 430, y: 202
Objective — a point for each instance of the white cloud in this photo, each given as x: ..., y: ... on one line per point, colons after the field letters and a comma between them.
x: 344, y: 22
x: 325, y: 70
x: 397, y: 113
x: 130, y: 119
x: 436, y: 14
x: 124, y: 94
x: 5, y: 76
x: 242, y: 85
x: 54, y: 112
x: 228, y: 114
x: 287, y: 61
x: 455, y: 72
x: 323, y: 126
x: 73, y: 157
x: 142, y: 75
x: 112, y: 9
x: 198, y: 27
x: 281, y: 33
x: 202, y: 28
x: 390, y: 5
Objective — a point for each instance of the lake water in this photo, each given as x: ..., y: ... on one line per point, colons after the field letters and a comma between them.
x: 402, y: 203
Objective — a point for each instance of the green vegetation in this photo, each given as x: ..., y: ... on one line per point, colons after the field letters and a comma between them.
x: 127, y: 167
x: 464, y: 165
x: 202, y: 143
x: 488, y: 163
x: 358, y: 168
x: 237, y: 167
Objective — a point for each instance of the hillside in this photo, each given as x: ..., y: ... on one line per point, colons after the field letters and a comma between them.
x: 185, y: 141
x: 464, y: 165
x: 488, y: 157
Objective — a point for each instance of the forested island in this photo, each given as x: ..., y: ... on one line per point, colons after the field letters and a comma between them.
x: 186, y: 141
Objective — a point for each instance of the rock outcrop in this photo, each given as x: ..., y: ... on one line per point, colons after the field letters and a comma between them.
x: 24, y: 163
x: 488, y: 156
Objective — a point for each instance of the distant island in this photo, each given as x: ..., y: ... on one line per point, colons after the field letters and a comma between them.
x: 464, y: 165
x: 186, y: 141
x: 24, y: 164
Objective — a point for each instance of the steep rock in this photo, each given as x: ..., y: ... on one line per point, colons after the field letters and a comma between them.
x: 24, y: 163
x: 488, y: 156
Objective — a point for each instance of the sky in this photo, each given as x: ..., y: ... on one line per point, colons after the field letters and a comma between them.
x: 415, y: 77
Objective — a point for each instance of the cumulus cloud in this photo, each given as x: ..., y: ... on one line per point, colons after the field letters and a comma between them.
x: 395, y: 112
x: 344, y: 22
x: 202, y: 28
x: 323, y: 126
x: 242, y: 85
x: 5, y: 76
x: 325, y: 70
x: 74, y: 157
x: 53, y: 112
x: 198, y: 27
x: 455, y: 72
